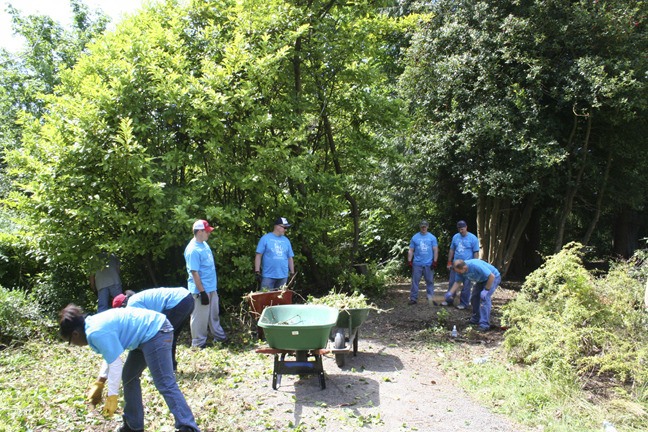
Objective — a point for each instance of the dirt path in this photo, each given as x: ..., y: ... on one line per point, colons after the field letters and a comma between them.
x: 394, y: 384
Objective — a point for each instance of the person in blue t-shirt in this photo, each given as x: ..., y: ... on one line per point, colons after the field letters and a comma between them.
x: 202, y: 283
x: 148, y: 337
x: 176, y: 304
x: 486, y: 278
x: 464, y: 246
x: 273, y: 262
x: 422, y: 258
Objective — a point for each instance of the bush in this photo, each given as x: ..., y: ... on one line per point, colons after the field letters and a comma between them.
x: 366, y: 281
x: 573, y: 324
x: 20, y: 318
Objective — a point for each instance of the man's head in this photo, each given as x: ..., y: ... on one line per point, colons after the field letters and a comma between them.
x: 460, y: 266
x: 121, y: 300
x: 201, y: 230
x: 281, y: 224
x: 423, y: 226
x: 72, y: 325
x: 462, y: 226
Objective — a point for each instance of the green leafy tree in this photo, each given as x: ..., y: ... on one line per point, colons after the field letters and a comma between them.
x: 522, y: 100
x: 236, y: 112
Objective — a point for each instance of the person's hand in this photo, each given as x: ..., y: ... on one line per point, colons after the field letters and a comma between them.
x: 95, y: 393
x: 110, y: 406
x: 204, y: 298
x: 483, y: 294
x: 449, y: 265
x: 409, y: 263
x: 434, y: 265
x: 258, y: 276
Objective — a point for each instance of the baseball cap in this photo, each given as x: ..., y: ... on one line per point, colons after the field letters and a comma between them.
x: 462, y: 224
x: 424, y: 223
x: 282, y: 221
x: 202, y: 225
x: 118, y: 301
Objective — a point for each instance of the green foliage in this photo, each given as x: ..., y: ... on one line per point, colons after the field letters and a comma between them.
x: 20, y: 318
x: 367, y: 282
x: 235, y: 112
x: 573, y: 325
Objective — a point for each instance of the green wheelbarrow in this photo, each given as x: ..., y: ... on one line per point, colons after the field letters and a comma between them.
x: 344, y: 334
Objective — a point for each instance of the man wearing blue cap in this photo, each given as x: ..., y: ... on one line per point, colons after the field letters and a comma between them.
x: 274, y: 255
x: 422, y: 257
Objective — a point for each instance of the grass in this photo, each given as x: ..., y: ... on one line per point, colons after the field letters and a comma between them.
x: 528, y: 396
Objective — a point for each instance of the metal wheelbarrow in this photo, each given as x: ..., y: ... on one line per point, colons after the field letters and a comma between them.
x: 300, y: 331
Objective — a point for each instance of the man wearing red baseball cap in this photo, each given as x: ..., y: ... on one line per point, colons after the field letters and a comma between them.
x: 202, y: 284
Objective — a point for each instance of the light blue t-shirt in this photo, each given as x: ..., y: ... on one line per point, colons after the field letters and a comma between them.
x: 275, y: 252
x: 478, y: 271
x: 199, y: 257
x: 158, y: 299
x: 464, y: 247
x: 423, y: 246
x: 114, y: 331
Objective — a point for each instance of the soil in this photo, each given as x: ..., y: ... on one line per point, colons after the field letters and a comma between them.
x: 396, y: 382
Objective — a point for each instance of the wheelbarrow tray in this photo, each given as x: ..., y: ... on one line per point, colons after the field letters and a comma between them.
x: 352, y: 318
x: 261, y: 299
x: 298, y: 327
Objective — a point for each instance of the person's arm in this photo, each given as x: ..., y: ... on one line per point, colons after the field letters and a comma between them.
x: 450, y: 257
x: 291, y: 265
x: 114, y: 377
x: 436, y: 255
x: 455, y: 287
x: 257, y: 263
x: 410, y: 254
x: 197, y: 281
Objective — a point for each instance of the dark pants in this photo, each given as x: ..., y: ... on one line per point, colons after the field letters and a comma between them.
x: 178, y: 317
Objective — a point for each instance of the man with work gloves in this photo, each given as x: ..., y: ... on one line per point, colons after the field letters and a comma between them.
x: 202, y: 284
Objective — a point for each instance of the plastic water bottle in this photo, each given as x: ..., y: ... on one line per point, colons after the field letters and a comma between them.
x: 454, y: 331
x: 609, y: 427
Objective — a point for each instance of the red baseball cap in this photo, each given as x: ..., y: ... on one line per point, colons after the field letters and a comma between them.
x: 202, y: 225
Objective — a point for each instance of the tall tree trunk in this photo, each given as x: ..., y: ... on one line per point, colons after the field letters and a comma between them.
x: 353, y: 204
x: 599, y: 202
x: 572, y: 189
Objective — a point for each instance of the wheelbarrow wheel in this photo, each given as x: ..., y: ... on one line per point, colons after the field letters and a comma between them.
x: 339, y: 344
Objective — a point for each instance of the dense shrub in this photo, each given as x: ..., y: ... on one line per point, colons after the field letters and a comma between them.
x: 574, y: 324
x: 20, y: 318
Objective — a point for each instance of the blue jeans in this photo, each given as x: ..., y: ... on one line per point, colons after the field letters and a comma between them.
x: 464, y: 297
x: 178, y: 317
x: 156, y: 354
x: 419, y: 271
x: 273, y: 284
x: 105, y: 296
x: 481, y: 309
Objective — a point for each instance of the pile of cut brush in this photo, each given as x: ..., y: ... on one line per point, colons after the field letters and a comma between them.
x: 341, y: 301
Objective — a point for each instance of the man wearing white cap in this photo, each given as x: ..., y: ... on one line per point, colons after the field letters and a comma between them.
x: 274, y: 255
x: 202, y: 284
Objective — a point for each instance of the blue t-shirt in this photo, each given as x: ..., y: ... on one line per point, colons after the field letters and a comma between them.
x: 478, y: 271
x: 423, y: 246
x: 464, y: 247
x: 157, y: 299
x: 199, y: 257
x: 114, y: 331
x: 275, y: 252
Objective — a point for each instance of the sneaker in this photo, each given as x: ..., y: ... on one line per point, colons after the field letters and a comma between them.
x: 471, y: 321
x: 445, y: 303
x: 484, y: 329
x: 412, y: 302
x: 126, y: 428
x: 461, y: 307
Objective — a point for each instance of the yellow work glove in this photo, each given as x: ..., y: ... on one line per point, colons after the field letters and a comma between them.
x: 94, y: 394
x: 110, y: 406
